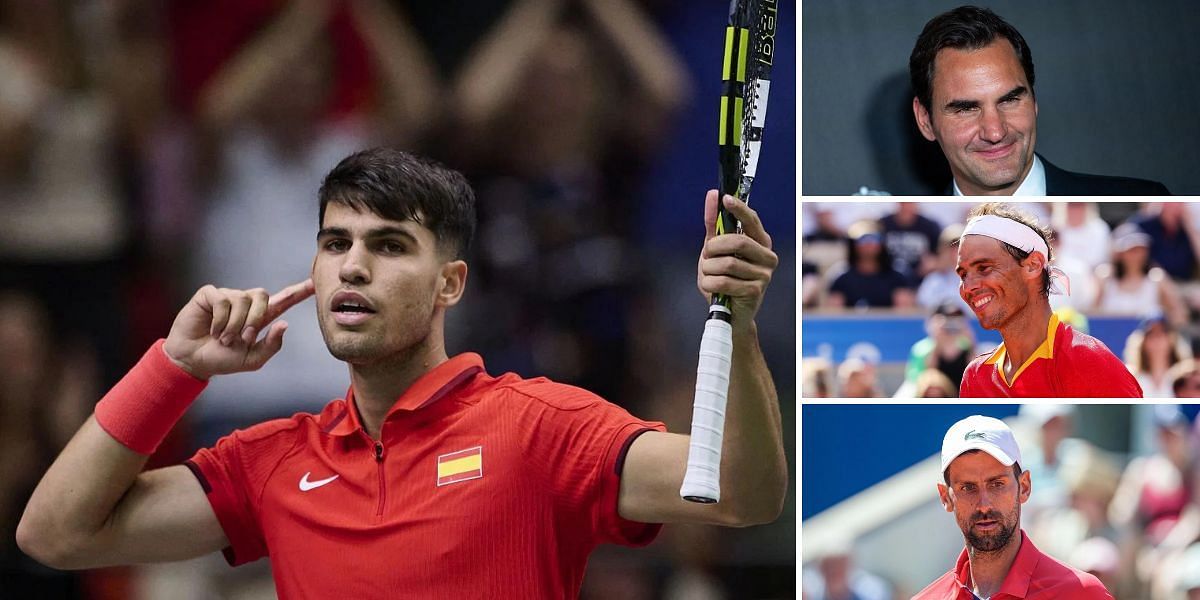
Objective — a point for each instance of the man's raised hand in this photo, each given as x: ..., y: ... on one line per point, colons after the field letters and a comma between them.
x: 217, y: 331
x: 739, y: 266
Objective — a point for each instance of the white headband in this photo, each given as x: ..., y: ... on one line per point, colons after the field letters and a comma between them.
x: 1017, y: 235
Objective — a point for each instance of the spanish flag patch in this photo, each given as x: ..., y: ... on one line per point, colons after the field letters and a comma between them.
x: 460, y: 466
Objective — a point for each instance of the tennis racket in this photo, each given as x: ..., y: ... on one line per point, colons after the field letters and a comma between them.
x: 746, y: 85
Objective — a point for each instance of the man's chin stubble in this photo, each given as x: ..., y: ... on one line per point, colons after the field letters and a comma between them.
x: 992, y: 543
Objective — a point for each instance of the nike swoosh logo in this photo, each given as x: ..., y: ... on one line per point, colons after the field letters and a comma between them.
x: 306, y: 485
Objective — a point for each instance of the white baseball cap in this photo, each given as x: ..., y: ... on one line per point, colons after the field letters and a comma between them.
x: 978, y: 432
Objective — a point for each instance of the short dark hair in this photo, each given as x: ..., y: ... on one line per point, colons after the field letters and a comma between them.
x: 401, y: 186
x: 1016, y: 467
x: 964, y: 28
x: 1007, y: 211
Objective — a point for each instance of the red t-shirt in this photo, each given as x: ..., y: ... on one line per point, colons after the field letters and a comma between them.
x: 1068, y: 364
x: 1032, y: 576
x: 480, y: 486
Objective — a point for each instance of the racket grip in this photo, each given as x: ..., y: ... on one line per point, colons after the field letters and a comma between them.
x: 702, y: 480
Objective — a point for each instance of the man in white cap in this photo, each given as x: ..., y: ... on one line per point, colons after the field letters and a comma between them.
x: 1004, y: 266
x: 985, y: 487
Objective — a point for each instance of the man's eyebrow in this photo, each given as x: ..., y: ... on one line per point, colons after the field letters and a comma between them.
x: 1005, y: 475
x: 389, y: 230
x: 333, y: 232
x: 973, y: 263
x: 377, y: 232
x: 1015, y: 93
x: 961, y: 104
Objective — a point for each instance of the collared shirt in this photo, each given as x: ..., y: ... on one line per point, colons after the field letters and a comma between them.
x: 1034, y: 183
x: 1032, y: 576
x: 479, y: 486
x: 1067, y: 364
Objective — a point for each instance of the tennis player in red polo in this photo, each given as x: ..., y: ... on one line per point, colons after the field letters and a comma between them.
x: 431, y: 478
x: 984, y: 486
x: 1004, y: 264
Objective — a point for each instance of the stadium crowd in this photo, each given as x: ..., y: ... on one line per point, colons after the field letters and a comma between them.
x: 1123, y: 259
x: 1132, y: 518
x: 150, y: 148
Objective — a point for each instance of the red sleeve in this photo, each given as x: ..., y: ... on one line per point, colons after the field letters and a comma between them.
x: 588, y: 438
x: 233, y: 474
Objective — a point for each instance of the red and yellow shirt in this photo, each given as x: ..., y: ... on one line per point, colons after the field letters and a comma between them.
x: 480, y: 486
x: 1032, y: 576
x: 1068, y: 364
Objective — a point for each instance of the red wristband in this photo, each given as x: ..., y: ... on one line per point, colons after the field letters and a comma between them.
x: 142, y: 408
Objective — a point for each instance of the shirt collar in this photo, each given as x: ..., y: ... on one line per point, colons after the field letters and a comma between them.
x: 1044, y: 350
x: 1034, y: 183
x: 1020, y: 573
x: 426, y: 390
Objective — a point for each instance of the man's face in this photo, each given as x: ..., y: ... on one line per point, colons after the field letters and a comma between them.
x: 380, y: 284
x: 985, y: 498
x: 993, y: 283
x: 983, y: 115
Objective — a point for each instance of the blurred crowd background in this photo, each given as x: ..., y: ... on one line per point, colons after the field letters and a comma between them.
x: 1115, y: 493
x: 1132, y: 268
x: 149, y: 148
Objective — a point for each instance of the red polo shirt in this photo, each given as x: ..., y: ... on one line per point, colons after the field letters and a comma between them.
x: 1067, y: 364
x: 1033, y: 576
x: 480, y: 486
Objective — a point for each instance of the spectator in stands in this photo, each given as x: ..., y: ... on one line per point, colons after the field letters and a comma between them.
x: 1081, y: 275
x: 1132, y: 285
x: 46, y: 389
x: 835, y: 577
x: 1053, y: 424
x: 941, y: 284
x: 824, y: 245
x: 1099, y: 557
x: 811, y: 285
x: 1185, y: 379
x: 856, y: 379
x: 1154, y: 490
x: 933, y: 383
x: 912, y: 239
x: 1075, y: 482
x: 817, y: 379
x: 1173, y: 238
x: 869, y: 280
x: 1082, y: 233
x: 948, y: 347
x: 1150, y: 352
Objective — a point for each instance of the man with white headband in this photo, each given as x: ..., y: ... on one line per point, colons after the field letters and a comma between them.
x: 984, y: 486
x: 1006, y: 279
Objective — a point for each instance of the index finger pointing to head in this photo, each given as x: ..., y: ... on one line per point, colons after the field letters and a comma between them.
x: 286, y: 298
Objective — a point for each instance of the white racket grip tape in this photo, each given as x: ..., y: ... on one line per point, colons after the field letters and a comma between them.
x: 702, y: 480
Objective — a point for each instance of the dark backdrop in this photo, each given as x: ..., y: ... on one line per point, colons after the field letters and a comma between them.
x: 1117, y: 84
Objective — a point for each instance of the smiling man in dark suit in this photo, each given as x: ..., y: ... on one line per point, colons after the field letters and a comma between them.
x: 972, y: 75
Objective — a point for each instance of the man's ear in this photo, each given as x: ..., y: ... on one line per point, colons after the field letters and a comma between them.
x: 944, y: 494
x: 924, y: 122
x: 1033, y: 265
x: 452, y: 281
x: 1026, y: 486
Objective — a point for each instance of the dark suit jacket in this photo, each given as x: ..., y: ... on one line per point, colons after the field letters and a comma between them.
x: 1066, y: 183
